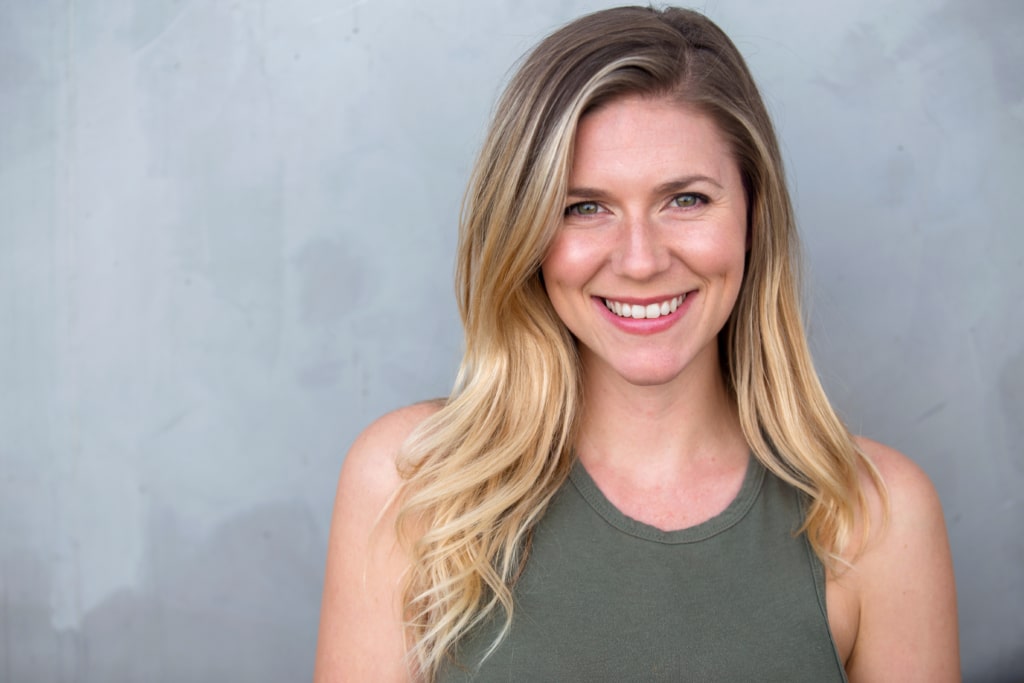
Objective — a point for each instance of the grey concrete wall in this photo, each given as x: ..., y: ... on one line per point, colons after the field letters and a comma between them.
x: 226, y: 232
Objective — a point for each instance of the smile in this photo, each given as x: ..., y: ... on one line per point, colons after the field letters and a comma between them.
x: 642, y: 312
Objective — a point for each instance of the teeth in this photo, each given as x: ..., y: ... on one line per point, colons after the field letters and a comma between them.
x: 638, y: 312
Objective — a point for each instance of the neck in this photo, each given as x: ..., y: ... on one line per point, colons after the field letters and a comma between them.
x: 688, y: 424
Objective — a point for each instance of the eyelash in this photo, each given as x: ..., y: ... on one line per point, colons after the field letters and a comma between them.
x: 698, y: 199
x: 574, y: 209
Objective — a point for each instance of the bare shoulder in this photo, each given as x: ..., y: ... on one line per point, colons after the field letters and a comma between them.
x: 361, y: 633
x: 369, y: 468
x: 912, y: 496
x: 904, y: 579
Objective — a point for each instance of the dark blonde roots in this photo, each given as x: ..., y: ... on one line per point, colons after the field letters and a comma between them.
x: 480, y: 473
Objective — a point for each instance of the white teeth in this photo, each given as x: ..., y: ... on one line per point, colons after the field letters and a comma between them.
x: 648, y: 312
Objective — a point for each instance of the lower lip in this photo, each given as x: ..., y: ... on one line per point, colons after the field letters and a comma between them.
x: 645, y: 325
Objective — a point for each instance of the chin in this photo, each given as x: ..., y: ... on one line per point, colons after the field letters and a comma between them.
x: 648, y: 376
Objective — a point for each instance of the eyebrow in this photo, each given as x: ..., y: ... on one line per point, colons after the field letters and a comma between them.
x: 674, y: 185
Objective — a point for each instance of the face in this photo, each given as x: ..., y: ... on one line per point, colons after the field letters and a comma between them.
x: 648, y: 262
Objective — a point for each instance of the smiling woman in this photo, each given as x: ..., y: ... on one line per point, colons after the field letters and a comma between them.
x: 637, y: 474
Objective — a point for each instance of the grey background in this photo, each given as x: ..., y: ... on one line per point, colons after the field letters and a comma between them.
x: 226, y: 235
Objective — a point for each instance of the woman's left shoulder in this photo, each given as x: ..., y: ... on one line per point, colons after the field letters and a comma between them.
x: 911, y: 494
x: 904, y: 578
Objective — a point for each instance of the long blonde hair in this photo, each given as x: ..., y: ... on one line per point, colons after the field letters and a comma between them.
x: 480, y: 472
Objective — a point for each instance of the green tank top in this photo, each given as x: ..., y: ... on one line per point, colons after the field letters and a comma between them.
x: 604, y: 597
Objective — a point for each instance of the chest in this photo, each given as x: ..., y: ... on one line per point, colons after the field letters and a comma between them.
x: 604, y: 597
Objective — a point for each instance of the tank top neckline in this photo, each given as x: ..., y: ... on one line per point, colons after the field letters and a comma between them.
x: 737, y: 509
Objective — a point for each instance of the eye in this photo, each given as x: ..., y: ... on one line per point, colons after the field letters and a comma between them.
x: 583, y: 209
x: 688, y: 200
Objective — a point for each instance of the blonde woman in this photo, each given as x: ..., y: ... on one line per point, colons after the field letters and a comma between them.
x: 637, y: 475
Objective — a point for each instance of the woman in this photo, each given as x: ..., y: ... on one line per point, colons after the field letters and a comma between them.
x: 637, y: 475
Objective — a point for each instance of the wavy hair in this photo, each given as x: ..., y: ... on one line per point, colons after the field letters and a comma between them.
x: 480, y: 473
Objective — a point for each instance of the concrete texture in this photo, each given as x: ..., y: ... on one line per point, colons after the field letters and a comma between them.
x: 227, y: 233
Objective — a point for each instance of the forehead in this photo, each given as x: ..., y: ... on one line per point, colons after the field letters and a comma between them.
x: 652, y: 133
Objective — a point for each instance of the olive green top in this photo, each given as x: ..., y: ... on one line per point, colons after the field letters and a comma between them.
x: 604, y: 597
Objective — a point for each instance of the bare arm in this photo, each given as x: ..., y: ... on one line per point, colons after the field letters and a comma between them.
x: 361, y: 634
x: 907, y: 596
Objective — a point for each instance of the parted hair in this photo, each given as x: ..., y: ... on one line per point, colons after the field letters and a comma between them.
x: 480, y: 472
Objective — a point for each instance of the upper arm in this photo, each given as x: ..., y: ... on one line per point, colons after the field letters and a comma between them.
x: 907, y: 595
x: 361, y: 632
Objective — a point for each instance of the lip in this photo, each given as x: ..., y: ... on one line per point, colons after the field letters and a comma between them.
x: 644, y: 326
x: 642, y: 301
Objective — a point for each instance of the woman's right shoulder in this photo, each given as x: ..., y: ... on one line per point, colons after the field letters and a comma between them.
x: 371, y: 462
x: 362, y: 635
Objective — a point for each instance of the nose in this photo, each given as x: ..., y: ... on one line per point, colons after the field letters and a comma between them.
x: 640, y: 253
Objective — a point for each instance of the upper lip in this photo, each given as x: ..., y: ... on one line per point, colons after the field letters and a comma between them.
x: 641, y: 301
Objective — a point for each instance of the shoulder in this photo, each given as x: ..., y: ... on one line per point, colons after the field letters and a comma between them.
x: 370, y: 468
x: 911, y: 494
x: 386, y: 434
x: 361, y: 627
x: 904, y: 578
x: 907, y: 517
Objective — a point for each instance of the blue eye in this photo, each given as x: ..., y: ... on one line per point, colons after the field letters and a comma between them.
x: 688, y: 200
x: 582, y: 209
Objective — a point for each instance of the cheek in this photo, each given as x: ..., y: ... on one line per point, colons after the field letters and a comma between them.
x: 734, y: 268
x: 567, y: 268
x: 570, y: 262
x: 718, y: 253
